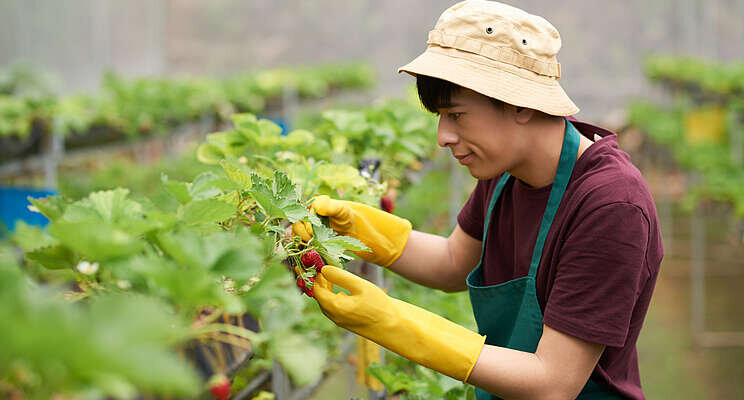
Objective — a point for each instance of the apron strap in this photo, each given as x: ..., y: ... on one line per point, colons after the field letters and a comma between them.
x: 563, y: 175
x: 494, y: 198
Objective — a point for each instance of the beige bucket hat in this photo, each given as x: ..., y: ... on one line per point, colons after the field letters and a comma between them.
x: 499, y: 51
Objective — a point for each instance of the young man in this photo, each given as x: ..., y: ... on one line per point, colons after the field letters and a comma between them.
x: 558, y: 245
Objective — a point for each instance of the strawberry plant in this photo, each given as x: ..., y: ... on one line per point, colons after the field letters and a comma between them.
x: 16, y: 116
x: 692, y: 74
x: 217, y: 245
x: 219, y: 250
x: 151, y: 106
x: 57, y: 349
x: 396, y: 132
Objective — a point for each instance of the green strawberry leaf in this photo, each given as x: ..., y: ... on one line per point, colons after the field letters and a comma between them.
x: 97, y: 241
x: 179, y: 190
x: 322, y: 233
x: 114, y: 208
x: 209, y: 153
x: 207, y: 185
x: 283, y: 187
x: 265, y: 198
x: 348, y: 243
x: 206, y: 211
x: 237, y: 172
x: 246, y: 124
x: 279, y: 198
x: 303, y: 361
x: 30, y: 238
x: 54, y: 257
x: 269, y: 128
x: 51, y: 207
x: 295, y: 212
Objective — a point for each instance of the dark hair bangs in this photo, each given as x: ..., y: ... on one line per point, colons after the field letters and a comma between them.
x: 435, y: 93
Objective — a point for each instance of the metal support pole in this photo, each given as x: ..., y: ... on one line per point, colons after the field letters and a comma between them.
x: 290, y: 102
x: 697, y: 272
x: 55, y: 147
x: 279, y: 382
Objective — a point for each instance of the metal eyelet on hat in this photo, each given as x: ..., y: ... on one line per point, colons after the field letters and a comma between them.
x: 489, y: 30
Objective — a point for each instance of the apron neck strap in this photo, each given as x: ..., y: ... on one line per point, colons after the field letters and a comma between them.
x: 494, y: 198
x: 565, y: 168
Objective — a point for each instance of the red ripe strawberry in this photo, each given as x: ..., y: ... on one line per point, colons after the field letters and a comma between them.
x: 312, y: 258
x: 387, y: 203
x: 302, y: 285
x: 219, y: 386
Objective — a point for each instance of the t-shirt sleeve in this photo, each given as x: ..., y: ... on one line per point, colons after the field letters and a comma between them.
x: 473, y: 213
x: 600, y: 274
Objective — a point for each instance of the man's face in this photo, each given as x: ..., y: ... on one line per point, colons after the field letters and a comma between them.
x: 482, y: 136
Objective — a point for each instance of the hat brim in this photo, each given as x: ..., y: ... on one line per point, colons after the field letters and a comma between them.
x: 494, y: 79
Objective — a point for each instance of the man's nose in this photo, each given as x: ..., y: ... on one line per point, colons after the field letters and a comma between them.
x: 445, y: 134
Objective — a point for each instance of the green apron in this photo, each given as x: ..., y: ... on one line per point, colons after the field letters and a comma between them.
x: 508, y: 313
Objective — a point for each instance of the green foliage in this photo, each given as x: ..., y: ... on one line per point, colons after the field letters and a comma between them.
x: 697, y: 83
x: 16, y: 116
x: 721, y: 178
x: 306, y: 159
x: 207, y: 240
x: 425, y: 384
x: 152, y: 106
x: 53, y: 347
x: 695, y: 74
x: 397, y: 132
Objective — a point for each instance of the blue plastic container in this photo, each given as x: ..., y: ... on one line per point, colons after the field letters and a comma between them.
x: 281, y: 122
x: 14, y: 207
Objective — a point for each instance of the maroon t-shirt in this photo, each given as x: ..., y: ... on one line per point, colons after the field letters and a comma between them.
x: 601, y: 256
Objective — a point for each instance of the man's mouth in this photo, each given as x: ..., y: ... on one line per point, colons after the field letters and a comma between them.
x: 465, y: 158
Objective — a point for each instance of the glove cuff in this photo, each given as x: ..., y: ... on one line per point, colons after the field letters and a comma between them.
x: 385, y: 234
x: 399, y: 233
x: 445, y: 346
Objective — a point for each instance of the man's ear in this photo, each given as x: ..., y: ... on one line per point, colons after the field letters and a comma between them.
x: 523, y: 115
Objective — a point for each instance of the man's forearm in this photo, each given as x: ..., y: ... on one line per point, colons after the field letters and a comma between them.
x: 558, y: 369
x: 428, y: 261
x: 511, y: 374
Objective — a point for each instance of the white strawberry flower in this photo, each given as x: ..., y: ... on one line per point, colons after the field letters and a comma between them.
x: 124, y: 284
x: 87, y: 268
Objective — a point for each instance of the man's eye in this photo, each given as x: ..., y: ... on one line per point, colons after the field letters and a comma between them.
x: 455, y: 116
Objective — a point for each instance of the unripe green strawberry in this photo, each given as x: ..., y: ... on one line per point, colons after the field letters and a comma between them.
x: 219, y: 386
x: 387, y: 203
x: 312, y: 258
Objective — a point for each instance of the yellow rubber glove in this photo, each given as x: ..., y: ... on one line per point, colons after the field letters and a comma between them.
x: 412, y: 332
x: 384, y: 233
